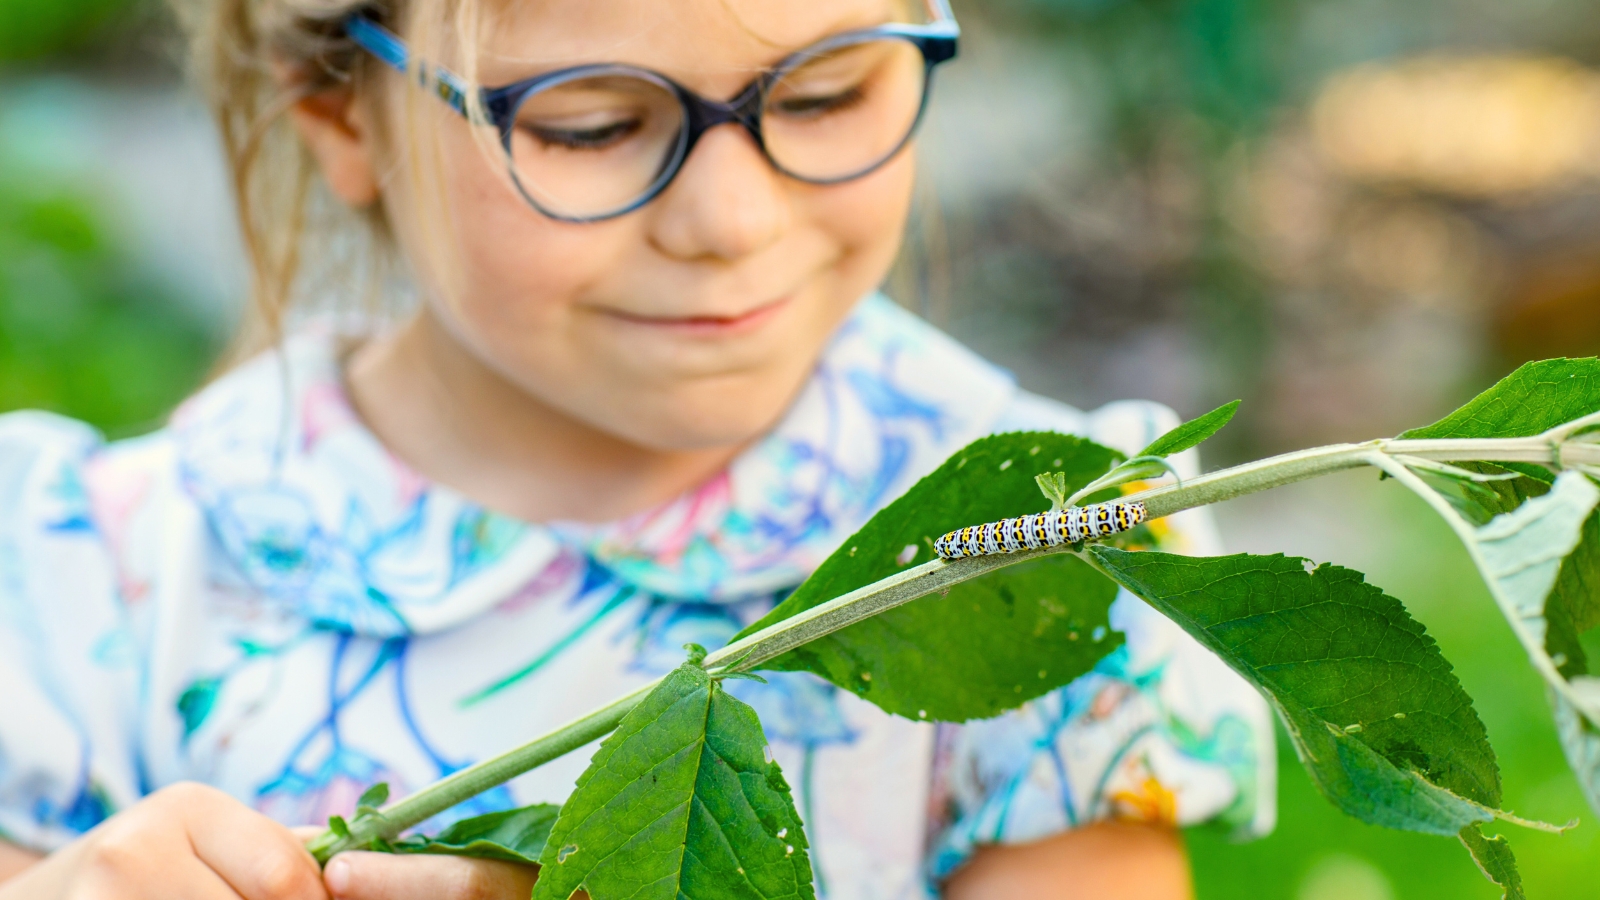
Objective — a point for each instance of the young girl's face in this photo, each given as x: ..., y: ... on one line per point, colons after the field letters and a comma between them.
x: 693, y: 321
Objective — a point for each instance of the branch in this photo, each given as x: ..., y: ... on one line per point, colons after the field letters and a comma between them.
x: 1552, y: 449
x: 766, y: 644
x: 1276, y: 471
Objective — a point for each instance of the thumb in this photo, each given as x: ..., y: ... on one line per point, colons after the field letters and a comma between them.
x: 359, y: 875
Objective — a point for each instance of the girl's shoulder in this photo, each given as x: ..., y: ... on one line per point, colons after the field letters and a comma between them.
x: 55, y: 472
x: 34, y: 444
x: 79, y: 511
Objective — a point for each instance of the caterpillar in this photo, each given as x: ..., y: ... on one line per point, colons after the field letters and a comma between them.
x: 1046, y: 529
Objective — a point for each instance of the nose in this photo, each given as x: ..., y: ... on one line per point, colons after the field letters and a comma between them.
x: 727, y: 202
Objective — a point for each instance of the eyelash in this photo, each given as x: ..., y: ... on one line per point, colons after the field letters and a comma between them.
x: 811, y: 106
x: 587, y: 139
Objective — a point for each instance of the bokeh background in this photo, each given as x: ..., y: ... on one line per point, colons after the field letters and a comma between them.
x: 1353, y: 214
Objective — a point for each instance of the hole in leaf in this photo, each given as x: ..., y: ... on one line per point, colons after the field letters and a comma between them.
x: 1005, y: 465
x: 907, y: 555
x: 564, y: 852
x: 783, y: 832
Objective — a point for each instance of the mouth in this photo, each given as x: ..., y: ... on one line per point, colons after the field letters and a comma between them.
x: 706, y: 325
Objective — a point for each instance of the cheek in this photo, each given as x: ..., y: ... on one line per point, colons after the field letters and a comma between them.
x: 517, y: 269
x: 867, y: 218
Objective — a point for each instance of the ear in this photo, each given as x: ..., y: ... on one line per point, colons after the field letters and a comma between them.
x: 339, y: 134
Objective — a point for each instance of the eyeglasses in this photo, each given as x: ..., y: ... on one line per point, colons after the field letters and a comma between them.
x: 593, y: 142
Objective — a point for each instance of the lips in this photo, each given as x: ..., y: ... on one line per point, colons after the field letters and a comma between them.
x: 707, y: 324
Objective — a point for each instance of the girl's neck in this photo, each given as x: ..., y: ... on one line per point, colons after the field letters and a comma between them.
x: 459, y: 423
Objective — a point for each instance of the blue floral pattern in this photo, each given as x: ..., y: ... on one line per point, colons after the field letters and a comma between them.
x: 262, y: 597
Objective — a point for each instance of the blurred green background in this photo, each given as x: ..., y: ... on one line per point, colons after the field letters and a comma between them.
x: 1351, y: 213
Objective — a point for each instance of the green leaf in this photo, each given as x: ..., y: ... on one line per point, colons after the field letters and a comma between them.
x: 513, y: 835
x: 1521, y: 552
x: 989, y: 644
x: 1191, y: 433
x: 1580, y: 739
x: 1524, y: 555
x: 1376, y: 714
x: 374, y: 796
x: 680, y: 801
x: 1533, y: 399
x: 1494, y: 859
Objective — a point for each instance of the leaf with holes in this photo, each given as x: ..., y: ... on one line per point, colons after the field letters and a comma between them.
x: 680, y: 803
x: 1533, y: 399
x: 1494, y: 859
x: 989, y: 644
x: 1377, y: 716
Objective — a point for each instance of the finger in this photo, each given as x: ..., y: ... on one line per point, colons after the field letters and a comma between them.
x: 196, y: 881
x: 259, y: 858
x: 150, y: 877
x: 383, y: 876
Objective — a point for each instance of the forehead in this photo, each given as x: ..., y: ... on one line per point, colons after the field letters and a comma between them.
x: 707, y: 44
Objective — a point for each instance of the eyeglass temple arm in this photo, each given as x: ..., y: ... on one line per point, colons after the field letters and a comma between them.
x: 387, y: 46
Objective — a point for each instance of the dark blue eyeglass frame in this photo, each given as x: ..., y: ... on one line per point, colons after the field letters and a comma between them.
x: 937, y: 40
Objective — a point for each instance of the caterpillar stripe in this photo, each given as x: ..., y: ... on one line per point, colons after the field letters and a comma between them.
x: 1046, y: 529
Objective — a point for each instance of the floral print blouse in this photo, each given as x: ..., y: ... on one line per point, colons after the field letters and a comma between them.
x: 261, y: 597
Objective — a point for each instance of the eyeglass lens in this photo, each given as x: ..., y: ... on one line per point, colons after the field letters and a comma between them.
x: 595, y: 145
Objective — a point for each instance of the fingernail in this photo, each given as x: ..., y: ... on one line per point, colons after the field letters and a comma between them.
x: 337, y: 876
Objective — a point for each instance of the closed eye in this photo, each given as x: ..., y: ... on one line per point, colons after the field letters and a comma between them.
x: 817, y: 106
x: 597, y: 138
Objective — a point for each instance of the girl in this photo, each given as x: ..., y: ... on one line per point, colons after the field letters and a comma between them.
x: 645, y: 388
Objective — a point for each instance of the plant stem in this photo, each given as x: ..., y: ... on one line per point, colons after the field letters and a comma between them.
x: 1276, y: 471
x: 764, y: 645
x: 919, y: 581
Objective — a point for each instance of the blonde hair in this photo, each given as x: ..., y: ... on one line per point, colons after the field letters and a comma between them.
x: 253, y: 61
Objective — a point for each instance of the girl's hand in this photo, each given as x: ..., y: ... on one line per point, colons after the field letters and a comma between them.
x: 380, y: 876
x: 185, y: 842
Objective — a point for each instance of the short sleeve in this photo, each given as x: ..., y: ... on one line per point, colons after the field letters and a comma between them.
x: 1160, y: 731
x: 68, y: 673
